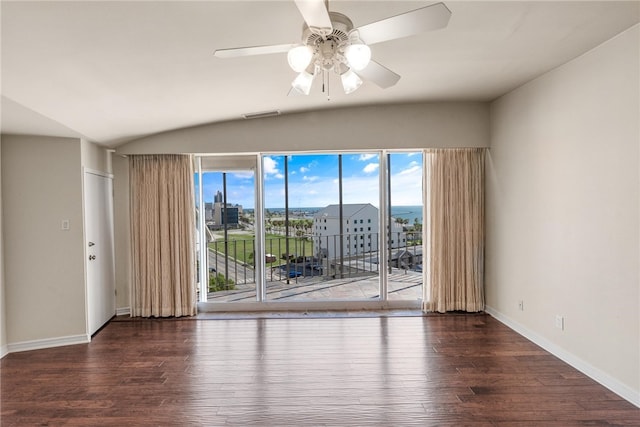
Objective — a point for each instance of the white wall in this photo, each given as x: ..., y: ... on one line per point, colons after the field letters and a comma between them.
x: 563, y: 217
x: 44, y: 265
x: 95, y: 157
x: 424, y: 125
x: 3, y: 321
x: 122, y: 232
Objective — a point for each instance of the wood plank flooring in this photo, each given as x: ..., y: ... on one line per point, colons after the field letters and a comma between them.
x: 441, y: 370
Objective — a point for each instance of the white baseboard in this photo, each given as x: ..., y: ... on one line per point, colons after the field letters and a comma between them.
x: 48, y: 343
x: 4, y: 350
x: 596, y: 374
x: 123, y: 311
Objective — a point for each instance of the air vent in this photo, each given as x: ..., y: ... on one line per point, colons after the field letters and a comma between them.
x: 262, y: 114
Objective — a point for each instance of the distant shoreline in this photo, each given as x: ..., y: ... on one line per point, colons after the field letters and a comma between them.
x: 405, y: 212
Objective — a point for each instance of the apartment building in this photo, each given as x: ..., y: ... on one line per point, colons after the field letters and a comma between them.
x: 358, y: 234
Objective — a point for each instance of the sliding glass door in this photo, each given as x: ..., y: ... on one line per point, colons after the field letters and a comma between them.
x: 300, y: 227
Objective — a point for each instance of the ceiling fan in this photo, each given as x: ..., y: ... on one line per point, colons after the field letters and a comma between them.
x: 331, y: 43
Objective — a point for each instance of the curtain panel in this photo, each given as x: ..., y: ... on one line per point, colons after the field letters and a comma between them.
x: 162, y: 233
x: 456, y: 233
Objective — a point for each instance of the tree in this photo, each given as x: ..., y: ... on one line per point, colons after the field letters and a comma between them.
x: 308, y: 225
x: 217, y: 282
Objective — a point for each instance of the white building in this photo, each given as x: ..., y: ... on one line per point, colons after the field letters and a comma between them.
x: 360, y: 230
x: 208, y: 212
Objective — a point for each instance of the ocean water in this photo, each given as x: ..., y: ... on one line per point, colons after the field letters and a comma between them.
x: 405, y: 212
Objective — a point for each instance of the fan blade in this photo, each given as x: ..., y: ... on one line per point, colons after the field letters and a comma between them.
x: 316, y: 16
x: 253, y: 50
x: 379, y: 74
x: 428, y: 18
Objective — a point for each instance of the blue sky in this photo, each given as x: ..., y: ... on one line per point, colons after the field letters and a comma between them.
x: 313, y: 180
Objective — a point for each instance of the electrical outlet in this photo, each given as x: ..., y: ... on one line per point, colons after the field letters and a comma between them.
x: 559, y: 322
x: 521, y: 305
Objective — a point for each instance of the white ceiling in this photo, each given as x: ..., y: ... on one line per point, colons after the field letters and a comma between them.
x: 115, y: 71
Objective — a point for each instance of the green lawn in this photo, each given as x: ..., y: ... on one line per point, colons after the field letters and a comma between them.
x: 241, y: 247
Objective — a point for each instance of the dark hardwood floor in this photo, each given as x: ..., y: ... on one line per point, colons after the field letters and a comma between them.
x: 444, y: 370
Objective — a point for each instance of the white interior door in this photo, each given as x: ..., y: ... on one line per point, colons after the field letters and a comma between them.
x: 98, y: 213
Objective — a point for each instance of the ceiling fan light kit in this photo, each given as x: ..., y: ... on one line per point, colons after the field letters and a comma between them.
x: 331, y: 43
x: 350, y: 81
x: 303, y: 82
x: 358, y: 55
x: 300, y: 57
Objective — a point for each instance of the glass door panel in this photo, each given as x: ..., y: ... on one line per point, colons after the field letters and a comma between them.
x: 405, y: 278
x: 321, y: 226
x: 228, y: 192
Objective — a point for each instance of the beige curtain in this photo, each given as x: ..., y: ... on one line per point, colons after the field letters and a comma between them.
x: 455, y: 251
x: 162, y: 232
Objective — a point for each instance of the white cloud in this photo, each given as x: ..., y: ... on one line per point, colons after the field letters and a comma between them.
x: 270, y: 167
x: 243, y: 175
x: 361, y: 189
x: 370, y: 168
x: 304, y: 169
x: 411, y: 170
x: 406, y: 187
x: 310, y: 178
x: 324, y: 191
x: 367, y: 156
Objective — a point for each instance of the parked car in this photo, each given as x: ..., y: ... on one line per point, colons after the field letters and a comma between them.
x: 292, y: 271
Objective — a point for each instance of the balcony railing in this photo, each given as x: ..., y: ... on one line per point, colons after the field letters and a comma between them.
x: 325, y: 257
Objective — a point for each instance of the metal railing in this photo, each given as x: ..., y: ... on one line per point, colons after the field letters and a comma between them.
x: 319, y: 257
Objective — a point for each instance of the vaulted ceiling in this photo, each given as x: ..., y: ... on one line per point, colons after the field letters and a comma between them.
x: 113, y: 71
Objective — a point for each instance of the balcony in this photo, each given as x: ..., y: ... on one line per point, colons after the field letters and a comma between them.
x: 350, y: 275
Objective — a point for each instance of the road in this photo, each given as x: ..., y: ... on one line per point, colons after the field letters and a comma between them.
x: 237, y: 272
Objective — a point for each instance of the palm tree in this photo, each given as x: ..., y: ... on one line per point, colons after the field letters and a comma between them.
x: 308, y: 225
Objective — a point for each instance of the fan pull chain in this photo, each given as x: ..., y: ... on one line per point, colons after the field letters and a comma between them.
x: 325, y: 83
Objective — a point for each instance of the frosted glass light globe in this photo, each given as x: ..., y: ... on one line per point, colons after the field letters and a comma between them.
x: 358, y: 56
x: 350, y: 81
x: 303, y: 82
x: 299, y: 58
